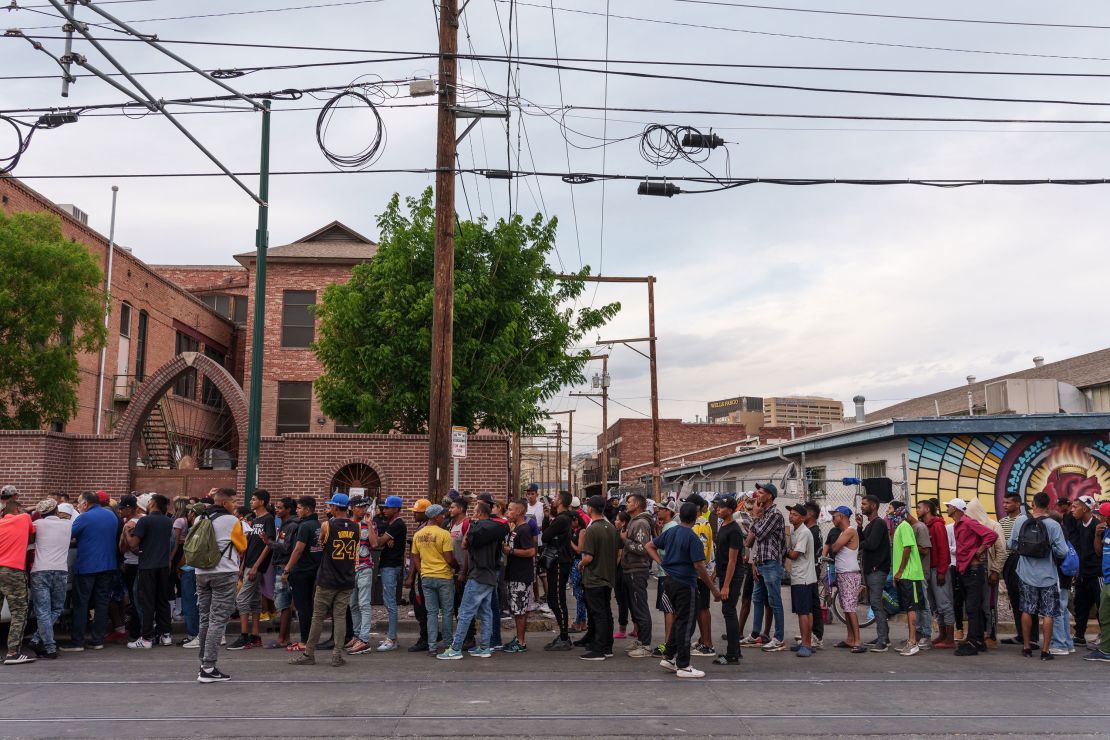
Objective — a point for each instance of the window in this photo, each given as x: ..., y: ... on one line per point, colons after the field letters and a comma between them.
x: 140, y: 347
x: 221, y: 304
x: 294, y: 408
x: 209, y: 394
x: 240, y: 313
x: 815, y: 482
x: 341, y: 428
x: 875, y: 469
x: 125, y: 320
x: 297, y: 322
x: 186, y: 385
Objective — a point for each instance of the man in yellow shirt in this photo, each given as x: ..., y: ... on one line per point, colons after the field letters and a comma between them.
x: 704, y: 531
x: 433, y: 557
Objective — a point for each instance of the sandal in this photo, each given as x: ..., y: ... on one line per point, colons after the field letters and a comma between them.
x: 275, y: 645
x: 843, y: 644
x: 294, y: 647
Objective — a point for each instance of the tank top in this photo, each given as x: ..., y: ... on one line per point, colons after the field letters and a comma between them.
x: 847, y: 560
x: 337, y: 564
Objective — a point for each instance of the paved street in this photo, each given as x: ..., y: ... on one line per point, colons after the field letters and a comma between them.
x: 122, y: 693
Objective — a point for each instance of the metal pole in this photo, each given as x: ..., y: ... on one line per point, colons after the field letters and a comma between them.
x: 455, y: 473
x: 107, y: 312
x: 604, y: 425
x: 515, y: 483
x: 439, y: 405
x: 570, y: 454
x: 261, y: 242
x: 558, y: 456
x: 656, y: 472
x: 67, y: 58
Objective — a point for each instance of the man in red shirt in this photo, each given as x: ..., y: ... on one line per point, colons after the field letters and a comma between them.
x: 939, y: 585
x: 972, y: 542
x: 16, y: 532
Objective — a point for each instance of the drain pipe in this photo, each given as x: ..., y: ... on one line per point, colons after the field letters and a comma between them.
x: 107, y: 313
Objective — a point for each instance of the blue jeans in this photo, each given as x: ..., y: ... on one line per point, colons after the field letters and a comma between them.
x: 579, y: 592
x: 189, y: 610
x: 48, y: 594
x: 769, y: 589
x: 94, y: 588
x: 495, y: 617
x: 361, y: 615
x: 439, y: 600
x: 475, y: 601
x: 390, y: 577
x: 1061, y: 632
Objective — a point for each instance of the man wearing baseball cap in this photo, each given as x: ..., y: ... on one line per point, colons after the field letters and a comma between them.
x: 1101, y: 654
x: 849, y: 581
x: 334, y: 581
x: 94, y: 570
x: 972, y: 542
x: 392, y: 539
x: 1088, y: 581
x: 16, y: 531
x: 412, y: 579
x: 767, y: 538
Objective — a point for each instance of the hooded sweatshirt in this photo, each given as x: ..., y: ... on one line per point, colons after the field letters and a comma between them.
x: 639, y: 532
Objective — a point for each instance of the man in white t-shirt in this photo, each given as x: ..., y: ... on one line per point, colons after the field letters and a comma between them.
x: 49, y: 574
x: 216, y: 585
x: 802, y: 576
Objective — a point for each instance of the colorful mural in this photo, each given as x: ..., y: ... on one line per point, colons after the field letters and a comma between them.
x: 988, y: 466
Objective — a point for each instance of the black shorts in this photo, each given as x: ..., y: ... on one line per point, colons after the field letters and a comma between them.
x: 661, y: 602
x: 749, y: 587
x: 911, y: 595
x: 703, y: 596
x: 801, y: 599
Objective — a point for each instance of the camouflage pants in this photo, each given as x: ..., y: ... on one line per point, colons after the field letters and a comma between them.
x: 13, y: 588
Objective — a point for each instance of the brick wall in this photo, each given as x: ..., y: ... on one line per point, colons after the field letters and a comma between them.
x: 631, y: 443
x: 227, y: 279
x: 133, y: 282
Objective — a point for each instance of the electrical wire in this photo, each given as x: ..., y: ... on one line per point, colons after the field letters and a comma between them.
x: 370, y: 153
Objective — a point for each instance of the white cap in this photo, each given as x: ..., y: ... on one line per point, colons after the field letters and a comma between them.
x: 575, y: 502
x: 957, y: 503
x: 1088, y: 502
x: 143, y: 502
x: 67, y: 509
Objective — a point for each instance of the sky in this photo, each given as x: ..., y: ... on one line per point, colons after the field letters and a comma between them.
x: 836, y: 290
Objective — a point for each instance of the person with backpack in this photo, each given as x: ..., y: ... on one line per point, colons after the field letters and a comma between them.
x: 1038, y: 539
x: 214, y: 546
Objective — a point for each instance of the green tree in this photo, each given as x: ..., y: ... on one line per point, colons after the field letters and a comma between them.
x: 515, y: 326
x: 51, y: 309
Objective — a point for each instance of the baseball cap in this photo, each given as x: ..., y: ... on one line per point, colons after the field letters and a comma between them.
x: 8, y: 492
x: 670, y: 505
x: 486, y: 496
x: 67, y: 509
x: 798, y: 509
x: 341, y: 500
x: 597, y: 503
x: 433, y: 511
x: 1087, y: 501
x: 694, y: 498
x: 46, y: 506
x: 421, y: 505
x: 1104, y: 508
x: 125, y: 501
x: 842, y: 510
x: 359, y: 502
x: 143, y: 502
x: 104, y: 498
x: 533, y: 487
x: 957, y: 503
x: 575, y: 502
x: 198, y: 508
x: 393, y: 502
x: 770, y: 488
x: 726, y: 500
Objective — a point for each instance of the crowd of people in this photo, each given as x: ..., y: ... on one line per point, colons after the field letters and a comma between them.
x: 136, y: 563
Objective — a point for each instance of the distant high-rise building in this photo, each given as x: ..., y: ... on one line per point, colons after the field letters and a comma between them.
x: 801, y: 410
x: 746, y: 410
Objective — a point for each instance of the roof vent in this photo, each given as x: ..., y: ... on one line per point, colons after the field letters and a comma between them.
x: 1038, y: 361
x: 75, y: 212
x: 971, y: 380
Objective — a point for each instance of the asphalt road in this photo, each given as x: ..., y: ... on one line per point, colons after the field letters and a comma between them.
x: 120, y: 693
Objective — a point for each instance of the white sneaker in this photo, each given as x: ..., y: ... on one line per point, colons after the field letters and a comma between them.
x: 668, y: 665
x: 925, y: 643
x: 191, y: 644
x: 140, y: 644
x: 1058, y: 651
x: 911, y: 649
x: 387, y: 645
x: 774, y: 646
x: 166, y: 640
x: 690, y: 672
x: 223, y: 640
x: 818, y: 643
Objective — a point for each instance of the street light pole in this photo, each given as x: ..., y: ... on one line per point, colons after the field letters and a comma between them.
x: 261, y: 242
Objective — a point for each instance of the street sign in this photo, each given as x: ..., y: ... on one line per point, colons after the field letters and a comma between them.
x: 458, y: 443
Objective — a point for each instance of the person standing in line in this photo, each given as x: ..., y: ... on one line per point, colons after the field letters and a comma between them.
x: 682, y: 554
x: 362, y: 616
x: 433, y: 557
x: 768, y: 538
x: 130, y: 511
x: 411, y: 579
x: 557, y: 534
x: 666, y: 518
x: 17, y: 532
x: 1011, y: 505
x: 152, y: 538
x: 703, y: 648
x: 256, y: 561
x: 282, y: 548
x: 339, y: 537
x: 216, y: 585
x: 996, y: 561
x: 94, y: 571
x: 1088, y: 581
x: 637, y: 568
x: 813, y: 510
x: 1039, y: 542
x: 483, y: 544
x: 924, y: 633
x: 731, y: 571
x: 599, y: 577
x: 49, y: 574
x: 802, y: 576
x: 458, y: 524
x: 874, y: 543
x: 937, y: 578
x: 849, y: 583
x: 304, y: 562
x: 909, y: 575
x: 535, y: 512
x: 187, y: 576
x: 1101, y: 654
x: 520, y: 550
x: 392, y: 541
x: 972, y: 542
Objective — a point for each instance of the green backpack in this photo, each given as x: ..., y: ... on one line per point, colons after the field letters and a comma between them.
x: 201, y: 550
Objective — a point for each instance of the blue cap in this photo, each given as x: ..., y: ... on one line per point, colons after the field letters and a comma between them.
x: 393, y: 502
x: 533, y: 487
x: 341, y: 500
x: 842, y: 510
x: 433, y: 511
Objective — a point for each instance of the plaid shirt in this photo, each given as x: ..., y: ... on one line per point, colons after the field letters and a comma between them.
x: 769, y: 530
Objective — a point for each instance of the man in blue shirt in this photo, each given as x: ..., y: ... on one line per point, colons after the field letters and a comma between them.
x: 1101, y: 654
x: 1040, y: 580
x: 684, y: 560
x: 94, y: 531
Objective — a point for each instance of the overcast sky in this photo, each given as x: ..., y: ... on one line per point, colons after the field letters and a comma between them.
x: 763, y: 290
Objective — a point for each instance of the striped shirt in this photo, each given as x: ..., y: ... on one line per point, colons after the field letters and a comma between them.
x: 769, y: 531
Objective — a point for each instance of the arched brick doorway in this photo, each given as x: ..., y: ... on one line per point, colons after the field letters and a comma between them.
x: 183, y: 428
x: 358, y: 476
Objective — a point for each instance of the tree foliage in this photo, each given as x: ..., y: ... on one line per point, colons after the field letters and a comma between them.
x: 51, y: 309
x: 515, y: 326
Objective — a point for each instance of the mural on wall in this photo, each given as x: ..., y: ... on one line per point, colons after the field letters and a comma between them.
x: 988, y: 466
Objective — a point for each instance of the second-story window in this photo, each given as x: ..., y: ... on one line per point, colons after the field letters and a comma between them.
x: 186, y: 385
x: 298, y: 324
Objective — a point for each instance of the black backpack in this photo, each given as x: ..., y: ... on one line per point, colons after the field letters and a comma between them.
x: 1033, y: 539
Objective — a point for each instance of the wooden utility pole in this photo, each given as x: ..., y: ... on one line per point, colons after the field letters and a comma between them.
x: 604, y: 424
x: 558, y: 457
x: 514, y: 492
x: 570, y: 446
x: 439, y: 411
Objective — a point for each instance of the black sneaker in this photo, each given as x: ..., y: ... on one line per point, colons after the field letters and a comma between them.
x: 592, y: 656
x: 211, y: 675
x: 724, y: 660
x: 1080, y: 641
x: 1048, y: 656
x: 559, y: 646
x: 966, y: 649
x: 240, y: 643
x: 419, y: 647
x: 71, y: 647
x: 49, y: 655
x: 580, y: 643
